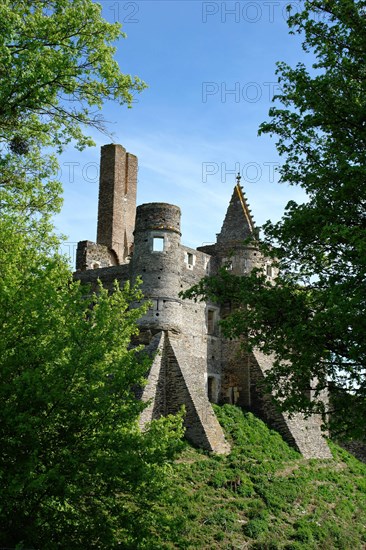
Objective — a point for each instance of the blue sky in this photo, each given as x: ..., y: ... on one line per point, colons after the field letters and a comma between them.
x: 210, y: 68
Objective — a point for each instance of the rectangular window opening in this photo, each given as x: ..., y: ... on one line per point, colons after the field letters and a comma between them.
x: 210, y: 321
x: 227, y: 264
x: 212, y: 389
x: 189, y: 260
x: 158, y: 244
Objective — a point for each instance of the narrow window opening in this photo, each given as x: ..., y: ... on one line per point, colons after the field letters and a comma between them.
x: 227, y: 264
x: 269, y: 270
x: 212, y: 389
x: 210, y: 321
x: 158, y: 244
x: 190, y: 260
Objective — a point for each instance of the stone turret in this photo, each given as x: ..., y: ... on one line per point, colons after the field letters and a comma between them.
x: 238, y: 223
x: 156, y: 259
x: 231, y: 249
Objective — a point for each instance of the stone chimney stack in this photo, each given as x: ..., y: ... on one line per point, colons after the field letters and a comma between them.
x: 117, y: 200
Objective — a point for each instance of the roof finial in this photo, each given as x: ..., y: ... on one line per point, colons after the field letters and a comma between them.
x: 238, y: 178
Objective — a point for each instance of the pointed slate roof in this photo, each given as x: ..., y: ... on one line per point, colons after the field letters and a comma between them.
x: 238, y: 224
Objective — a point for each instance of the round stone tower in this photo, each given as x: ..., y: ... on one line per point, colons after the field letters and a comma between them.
x: 157, y: 259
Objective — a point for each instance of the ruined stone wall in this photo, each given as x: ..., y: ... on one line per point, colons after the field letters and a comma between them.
x: 107, y: 275
x: 243, y: 373
x: 117, y: 200
x: 235, y: 388
x: 90, y: 255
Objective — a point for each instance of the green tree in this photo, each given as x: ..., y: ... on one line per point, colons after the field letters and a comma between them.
x: 57, y: 68
x: 313, y: 317
x: 75, y: 470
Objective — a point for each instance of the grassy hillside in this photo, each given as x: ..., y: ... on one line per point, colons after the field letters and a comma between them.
x: 264, y: 495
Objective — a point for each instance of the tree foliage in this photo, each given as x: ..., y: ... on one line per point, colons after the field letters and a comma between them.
x: 75, y: 469
x: 57, y: 65
x: 313, y: 317
x: 57, y: 68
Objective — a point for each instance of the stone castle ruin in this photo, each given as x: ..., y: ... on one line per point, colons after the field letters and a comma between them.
x: 193, y: 364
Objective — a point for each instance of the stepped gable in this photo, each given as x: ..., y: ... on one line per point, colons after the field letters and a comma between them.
x: 238, y: 223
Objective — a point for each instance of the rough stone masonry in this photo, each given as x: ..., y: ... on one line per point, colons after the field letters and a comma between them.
x: 193, y: 364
